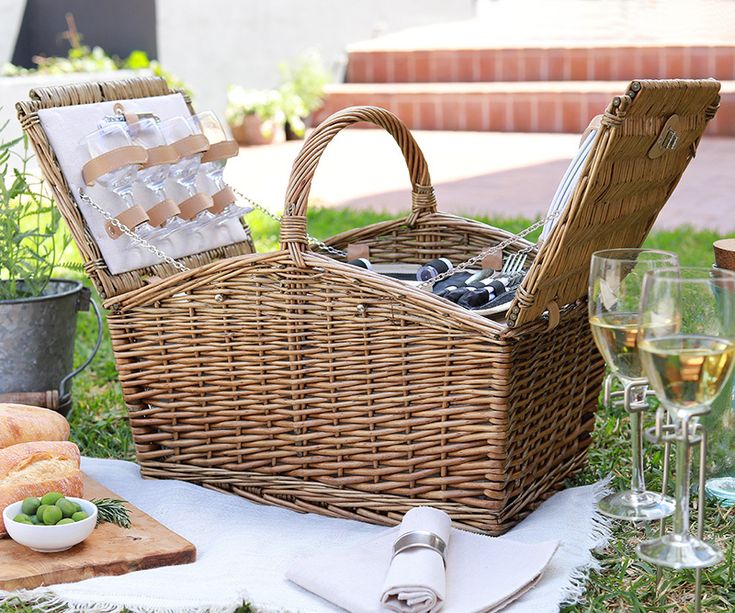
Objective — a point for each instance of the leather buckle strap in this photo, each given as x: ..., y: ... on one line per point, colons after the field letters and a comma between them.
x: 222, y: 150
x: 159, y: 213
x: 191, y: 145
x: 191, y: 207
x: 113, y: 160
x: 222, y: 199
x: 131, y: 218
x: 163, y: 154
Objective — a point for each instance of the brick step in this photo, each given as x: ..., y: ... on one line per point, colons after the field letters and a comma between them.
x: 500, y: 107
x: 601, y: 63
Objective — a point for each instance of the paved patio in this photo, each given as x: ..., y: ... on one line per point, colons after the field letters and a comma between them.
x: 475, y: 173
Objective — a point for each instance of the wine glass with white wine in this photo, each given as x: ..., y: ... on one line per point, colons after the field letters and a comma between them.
x: 686, y: 341
x: 616, y: 277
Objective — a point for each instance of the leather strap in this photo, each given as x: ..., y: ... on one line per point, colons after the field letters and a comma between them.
x: 131, y: 218
x: 356, y: 251
x: 554, y: 315
x: 221, y: 151
x: 159, y: 213
x: 191, y: 207
x: 163, y: 154
x: 191, y: 145
x: 222, y: 199
x: 112, y: 160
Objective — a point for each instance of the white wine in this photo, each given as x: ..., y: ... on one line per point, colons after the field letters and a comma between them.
x: 616, y: 336
x: 687, y: 371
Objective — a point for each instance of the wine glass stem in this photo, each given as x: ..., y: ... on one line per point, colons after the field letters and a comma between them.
x: 681, y: 487
x: 635, y: 396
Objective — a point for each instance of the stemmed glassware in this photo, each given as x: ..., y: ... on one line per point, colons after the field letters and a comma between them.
x: 616, y: 277
x: 210, y: 126
x: 106, y: 139
x: 146, y: 133
x: 184, y: 172
x: 686, y: 341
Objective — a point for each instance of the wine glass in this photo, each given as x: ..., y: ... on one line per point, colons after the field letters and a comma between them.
x: 184, y: 172
x: 616, y: 276
x: 152, y: 175
x: 686, y: 341
x: 214, y: 169
x: 108, y: 137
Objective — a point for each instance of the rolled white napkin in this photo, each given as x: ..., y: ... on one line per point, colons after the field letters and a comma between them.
x: 416, y: 578
x: 482, y: 573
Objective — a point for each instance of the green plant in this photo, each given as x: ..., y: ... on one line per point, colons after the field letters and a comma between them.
x: 265, y: 104
x: 306, y: 78
x: 32, y: 240
x: 293, y: 109
x: 81, y: 58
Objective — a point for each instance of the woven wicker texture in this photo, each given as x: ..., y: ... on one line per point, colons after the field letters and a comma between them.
x: 86, y: 93
x: 621, y: 189
x: 291, y: 378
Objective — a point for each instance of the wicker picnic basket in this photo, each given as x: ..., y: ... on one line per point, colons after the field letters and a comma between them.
x: 292, y: 378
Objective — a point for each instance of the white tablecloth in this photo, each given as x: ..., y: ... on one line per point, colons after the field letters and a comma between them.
x: 244, y: 550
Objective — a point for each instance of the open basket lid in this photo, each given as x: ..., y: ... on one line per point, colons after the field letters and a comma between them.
x: 646, y: 139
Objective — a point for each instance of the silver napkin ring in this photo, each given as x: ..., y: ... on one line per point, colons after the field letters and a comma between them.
x: 421, y: 539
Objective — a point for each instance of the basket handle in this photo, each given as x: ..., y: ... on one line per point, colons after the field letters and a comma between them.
x: 293, y: 222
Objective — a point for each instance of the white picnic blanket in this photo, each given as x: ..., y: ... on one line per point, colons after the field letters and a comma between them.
x: 244, y: 550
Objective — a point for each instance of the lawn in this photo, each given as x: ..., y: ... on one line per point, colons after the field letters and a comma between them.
x: 100, y: 428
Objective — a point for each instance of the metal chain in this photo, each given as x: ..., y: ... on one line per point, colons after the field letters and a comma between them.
x: 137, y: 240
x: 494, y: 249
x: 312, y: 240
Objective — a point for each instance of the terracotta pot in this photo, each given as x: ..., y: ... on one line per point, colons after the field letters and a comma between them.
x: 251, y: 131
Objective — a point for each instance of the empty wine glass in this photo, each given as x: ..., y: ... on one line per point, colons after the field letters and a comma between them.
x: 107, y: 138
x: 616, y: 276
x: 163, y: 211
x: 215, y: 160
x: 181, y: 134
x: 686, y: 340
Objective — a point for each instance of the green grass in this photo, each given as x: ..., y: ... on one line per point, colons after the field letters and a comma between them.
x: 100, y: 428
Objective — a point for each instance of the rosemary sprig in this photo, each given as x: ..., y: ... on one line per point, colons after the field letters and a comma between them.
x: 110, y: 510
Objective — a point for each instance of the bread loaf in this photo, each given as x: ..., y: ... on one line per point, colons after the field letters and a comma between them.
x: 35, y: 469
x: 20, y: 423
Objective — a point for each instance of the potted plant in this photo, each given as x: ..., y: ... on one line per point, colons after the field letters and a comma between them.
x: 37, y: 312
x: 304, y: 80
x: 255, y: 116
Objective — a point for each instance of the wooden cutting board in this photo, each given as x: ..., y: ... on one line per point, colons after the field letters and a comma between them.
x: 109, y: 550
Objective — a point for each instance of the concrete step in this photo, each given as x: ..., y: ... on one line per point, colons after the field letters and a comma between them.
x: 596, y: 63
x: 561, y: 106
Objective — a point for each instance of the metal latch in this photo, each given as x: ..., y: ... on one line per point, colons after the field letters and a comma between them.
x: 667, y: 139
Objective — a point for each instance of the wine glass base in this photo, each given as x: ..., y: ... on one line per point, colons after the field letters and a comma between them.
x: 632, y: 506
x: 723, y: 489
x: 672, y: 551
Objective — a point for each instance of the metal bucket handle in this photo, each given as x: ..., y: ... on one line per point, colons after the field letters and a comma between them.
x: 60, y: 399
x: 83, y: 303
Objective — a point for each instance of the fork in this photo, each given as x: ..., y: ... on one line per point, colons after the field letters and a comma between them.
x: 514, y: 263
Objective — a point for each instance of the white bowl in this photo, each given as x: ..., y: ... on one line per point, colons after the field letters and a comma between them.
x: 47, y: 539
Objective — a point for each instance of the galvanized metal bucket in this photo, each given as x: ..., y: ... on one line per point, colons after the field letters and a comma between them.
x: 37, y: 345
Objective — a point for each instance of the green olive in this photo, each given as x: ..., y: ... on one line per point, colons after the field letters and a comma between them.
x: 35, y: 521
x: 68, y: 508
x: 41, y: 509
x: 51, y: 498
x: 30, y: 506
x: 51, y: 515
x: 79, y: 516
x: 22, y: 518
x: 63, y: 522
